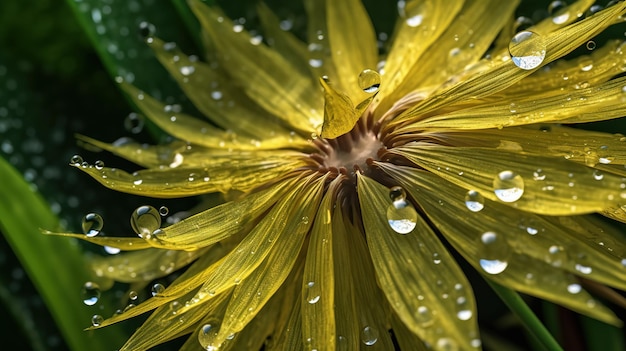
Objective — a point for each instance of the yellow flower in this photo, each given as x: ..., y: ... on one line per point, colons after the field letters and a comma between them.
x: 342, y: 174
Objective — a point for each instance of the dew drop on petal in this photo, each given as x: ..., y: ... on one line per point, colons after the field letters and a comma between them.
x: 163, y: 211
x: 134, y: 123
x: 464, y: 315
x: 598, y: 175
x: 145, y: 220
x: 99, y: 164
x: 369, y: 81
x: 508, y: 186
x: 92, y: 224
x: 414, y: 21
x: 527, y: 50
x: 96, y: 320
x: 90, y: 293
x: 574, y: 288
x: 559, y: 12
x: 446, y: 344
x: 369, y: 336
x: 402, y: 217
x: 424, y: 316
x: 76, y: 160
x: 494, y: 252
x: 474, y: 201
x: 187, y: 70
x: 157, y: 289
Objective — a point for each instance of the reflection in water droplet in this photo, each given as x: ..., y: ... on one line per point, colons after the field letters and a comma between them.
x: 207, y: 335
x: 145, y: 220
x: 474, y: 201
x: 369, y: 81
x: 402, y: 217
x: 96, y: 320
x: 92, y: 224
x: 76, y: 160
x: 157, y: 289
x: 508, y: 186
x: 99, y: 164
x: 527, y: 50
x: 369, y: 336
x: 494, y: 252
x: 90, y: 293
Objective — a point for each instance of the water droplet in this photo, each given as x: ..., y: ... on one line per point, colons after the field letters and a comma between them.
x: 146, y: 29
x: 474, y: 201
x: 187, y: 70
x: 99, y: 165
x: 369, y: 81
x: 76, y: 160
x: 157, y: 289
x: 598, y: 175
x: 583, y: 269
x: 531, y: 230
x: 508, y: 186
x: 96, y: 320
x: 207, y: 336
x: 574, y: 288
x: 312, y: 293
x: 133, y: 295
x: 539, y: 174
x: 424, y: 316
x: 446, y: 344
x: 145, y: 220
x: 90, y: 293
x: 558, y: 11
x: 134, y: 123
x: 494, y: 252
x: 591, y: 45
x: 315, y: 63
x: 92, y: 224
x: 163, y: 211
x: 112, y: 250
x: 369, y: 336
x: 464, y: 315
x: 556, y: 255
x: 527, y: 50
x: 401, y: 215
x: 414, y: 21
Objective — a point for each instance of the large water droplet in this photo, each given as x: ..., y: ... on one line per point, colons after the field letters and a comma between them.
x: 508, y: 186
x: 494, y: 252
x: 369, y: 81
x: 157, y: 289
x: 90, y: 293
x: 92, y: 224
x: 424, y: 316
x: 145, y: 220
x: 401, y: 215
x: 369, y: 336
x: 96, y: 320
x: 474, y: 201
x: 527, y: 50
x: 207, y: 335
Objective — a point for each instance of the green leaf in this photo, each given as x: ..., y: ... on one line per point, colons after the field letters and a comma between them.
x: 530, y: 321
x: 602, y: 337
x: 55, y: 265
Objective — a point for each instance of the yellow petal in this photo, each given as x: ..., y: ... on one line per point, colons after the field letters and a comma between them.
x: 285, y: 223
x: 318, y: 281
x: 352, y: 42
x: 122, y: 243
x: 266, y: 77
x: 504, y: 73
x: 319, y: 55
x: 420, y: 25
x: 562, y: 17
x: 195, y: 131
x: 220, y: 222
x: 517, y: 179
x: 339, y: 113
x: 407, y: 340
x: 289, y: 337
x: 414, y: 270
x: 526, y: 252
x: 571, y: 106
x: 191, y: 181
x: 582, y: 146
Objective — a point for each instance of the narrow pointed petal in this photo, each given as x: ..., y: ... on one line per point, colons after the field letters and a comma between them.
x: 504, y: 73
x: 348, y: 20
x: 407, y: 340
x: 267, y: 78
x: 319, y: 53
x: 273, y: 233
x: 122, y: 243
x: 339, y: 113
x: 413, y: 271
x: 191, y: 181
x: 290, y: 336
x: 420, y: 26
x: 582, y: 146
x: 220, y: 222
x: 509, y: 177
x: 318, y: 281
x: 529, y: 253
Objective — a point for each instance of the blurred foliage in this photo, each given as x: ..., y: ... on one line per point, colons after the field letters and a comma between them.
x: 57, y: 64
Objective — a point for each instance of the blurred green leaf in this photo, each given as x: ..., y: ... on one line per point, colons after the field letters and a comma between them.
x: 602, y: 337
x: 56, y: 266
x: 514, y: 301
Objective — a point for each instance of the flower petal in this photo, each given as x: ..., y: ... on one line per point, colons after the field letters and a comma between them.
x: 503, y: 73
x: 414, y: 270
x: 198, y: 132
x: 318, y: 281
x: 517, y: 178
x: 532, y: 253
x: 582, y: 146
x: 191, y: 181
x: 283, y: 225
x: 220, y: 222
x: 421, y: 24
x: 346, y: 21
x: 571, y: 106
x: 289, y: 337
x: 268, y: 78
x: 407, y: 340
x: 122, y: 243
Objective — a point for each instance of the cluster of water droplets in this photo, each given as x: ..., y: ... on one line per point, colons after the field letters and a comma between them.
x: 401, y: 215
